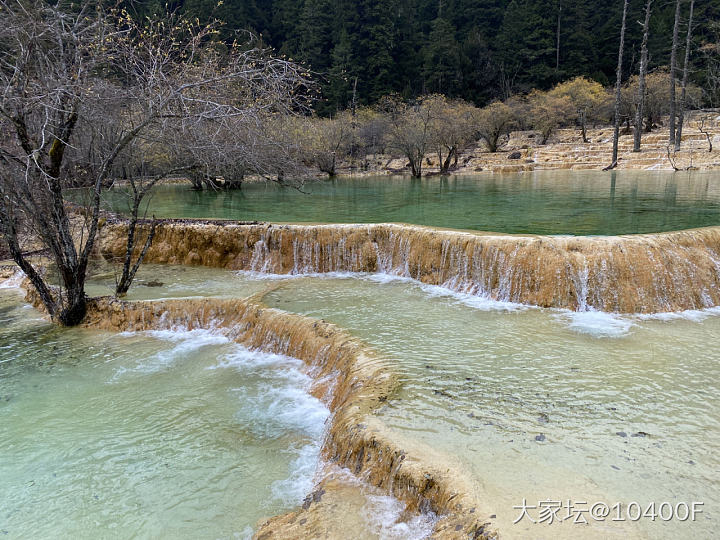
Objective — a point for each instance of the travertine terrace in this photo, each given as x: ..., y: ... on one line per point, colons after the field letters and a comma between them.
x: 625, y: 274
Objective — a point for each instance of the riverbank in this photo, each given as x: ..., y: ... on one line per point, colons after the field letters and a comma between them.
x: 521, y: 152
x: 566, y: 151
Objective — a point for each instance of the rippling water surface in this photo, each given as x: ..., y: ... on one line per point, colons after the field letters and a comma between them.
x: 160, y: 281
x: 166, y: 434
x: 543, y: 404
x: 171, y: 432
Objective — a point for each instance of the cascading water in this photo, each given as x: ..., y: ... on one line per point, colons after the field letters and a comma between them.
x: 632, y: 274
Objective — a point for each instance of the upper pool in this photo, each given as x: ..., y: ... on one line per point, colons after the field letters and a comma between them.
x: 545, y: 202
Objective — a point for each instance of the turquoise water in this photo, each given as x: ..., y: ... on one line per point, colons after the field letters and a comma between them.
x: 546, y: 202
x: 164, y: 434
x: 544, y: 404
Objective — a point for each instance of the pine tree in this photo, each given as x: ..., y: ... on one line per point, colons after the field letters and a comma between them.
x: 441, y: 67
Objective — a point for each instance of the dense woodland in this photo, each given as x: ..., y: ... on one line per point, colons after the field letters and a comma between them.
x: 478, y: 50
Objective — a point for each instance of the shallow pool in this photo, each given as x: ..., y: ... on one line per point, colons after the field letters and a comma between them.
x: 172, y: 434
x: 545, y: 404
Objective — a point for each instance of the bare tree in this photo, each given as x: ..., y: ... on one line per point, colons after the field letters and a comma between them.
x: 79, y: 88
x: 452, y: 129
x: 640, y: 98
x: 371, y: 128
x: 410, y: 129
x: 618, y: 89
x: 547, y: 111
x: 586, y: 96
x: 701, y: 129
x: 673, y: 71
x: 684, y: 84
x: 493, y: 122
x: 325, y: 141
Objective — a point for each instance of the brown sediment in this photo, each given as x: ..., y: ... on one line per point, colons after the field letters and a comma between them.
x: 352, y: 381
x: 646, y: 273
x: 7, y: 271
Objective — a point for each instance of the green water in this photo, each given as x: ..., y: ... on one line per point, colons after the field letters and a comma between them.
x: 627, y: 409
x: 168, y: 434
x: 546, y: 202
x: 158, y: 281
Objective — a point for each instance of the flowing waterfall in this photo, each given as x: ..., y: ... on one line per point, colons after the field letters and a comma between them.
x: 625, y: 274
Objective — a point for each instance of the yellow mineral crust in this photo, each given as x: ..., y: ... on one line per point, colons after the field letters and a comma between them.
x: 353, y: 381
x: 646, y: 273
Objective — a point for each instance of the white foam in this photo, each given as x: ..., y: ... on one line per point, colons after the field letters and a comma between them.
x: 694, y: 315
x: 301, y: 476
x: 186, y: 342
x: 383, y: 514
x: 245, y: 359
x: 598, y: 323
x: 14, y: 281
x: 265, y: 276
x: 475, y: 301
x: 388, y: 278
x: 281, y: 405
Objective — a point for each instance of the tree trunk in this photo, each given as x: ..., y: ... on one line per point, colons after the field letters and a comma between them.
x: 673, y: 69
x: 416, y: 165
x: 128, y: 273
x: 557, y: 40
x: 618, y: 88
x: 492, y: 142
x: 448, y: 160
x: 75, y: 307
x: 683, y: 86
x: 11, y: 237
x: 641, y: 81
x: 583, y: 127
x: 129, y: 270
x: 196, y: 180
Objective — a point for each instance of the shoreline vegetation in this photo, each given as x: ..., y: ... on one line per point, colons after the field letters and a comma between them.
x: 521, y: 153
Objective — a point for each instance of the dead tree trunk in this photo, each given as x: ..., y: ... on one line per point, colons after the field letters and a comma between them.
x: 618, y: 88
x: 683, y: 85
x: 640, y: 99
x: 701, y: 129
x: 673, y: 69
x: 129, y: 269
x: 583, y: 124
x: 557, y: 40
